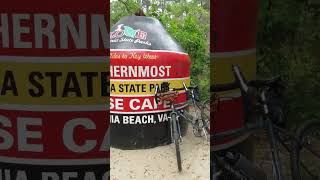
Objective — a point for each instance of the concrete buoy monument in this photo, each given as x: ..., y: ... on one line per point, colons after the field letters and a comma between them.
x: 142, y: 56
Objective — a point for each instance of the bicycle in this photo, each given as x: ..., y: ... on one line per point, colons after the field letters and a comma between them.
x: 199, y: 119
x: 259, y: 97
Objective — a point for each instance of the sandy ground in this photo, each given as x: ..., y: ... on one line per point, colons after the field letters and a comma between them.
x: 160, y: 163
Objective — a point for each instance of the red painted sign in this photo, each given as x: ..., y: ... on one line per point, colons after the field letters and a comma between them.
x: 148, y: 64
x: 233, y: 25
x: 46, y: 137
x: 137, y: 120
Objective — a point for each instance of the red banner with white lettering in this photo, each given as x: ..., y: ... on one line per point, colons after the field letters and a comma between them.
x: 61, y: 46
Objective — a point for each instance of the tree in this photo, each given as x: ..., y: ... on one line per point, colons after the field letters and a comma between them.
x: 288, y: 39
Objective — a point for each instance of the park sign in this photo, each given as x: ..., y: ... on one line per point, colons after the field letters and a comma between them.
x: 53, y: 90
x: 143, y: 56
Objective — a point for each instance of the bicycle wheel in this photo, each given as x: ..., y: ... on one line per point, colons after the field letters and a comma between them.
x: 194, y: 114
x: 176, y: 138
x: 205, y: 116
x: 273, y: 137
x: 306, y: 152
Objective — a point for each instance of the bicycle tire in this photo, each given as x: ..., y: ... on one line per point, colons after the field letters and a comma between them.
x: 193, y: 114
x: 297, y: 150
x: 178, y: 156
x: 205, y: 116
x: 176, y: 140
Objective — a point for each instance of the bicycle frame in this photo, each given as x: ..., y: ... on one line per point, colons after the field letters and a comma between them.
x: 263, y: 122
x: 185, y: 114
x: 171, y: 95
x: 193, y: 102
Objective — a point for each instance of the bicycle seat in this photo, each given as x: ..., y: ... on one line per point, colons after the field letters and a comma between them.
x: 265, y: 82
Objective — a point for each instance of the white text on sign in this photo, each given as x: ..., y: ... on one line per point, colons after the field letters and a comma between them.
x: 55, y: 28
x: 23, y: 135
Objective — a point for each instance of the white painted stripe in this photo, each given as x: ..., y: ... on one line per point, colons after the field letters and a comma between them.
x: 147, y: 112
x: 54, y: 108
x: 71, y: 59
x: 148, y: 50
x: 54, y: 162
x: 138, y: 80
x: 228, y: 144
x: 233, y: 53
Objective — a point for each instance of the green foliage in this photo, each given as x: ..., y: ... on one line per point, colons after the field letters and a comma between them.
x: 187, y: 22
x: 288, y: 38
x: 122, y: 8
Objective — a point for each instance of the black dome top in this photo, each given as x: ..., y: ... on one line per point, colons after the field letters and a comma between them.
x: 140, y: 32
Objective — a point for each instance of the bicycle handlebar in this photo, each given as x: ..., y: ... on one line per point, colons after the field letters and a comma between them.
x: 243, y: 84
x: 239, y: 82
x: 240, y: 78
x: 177, y: 89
